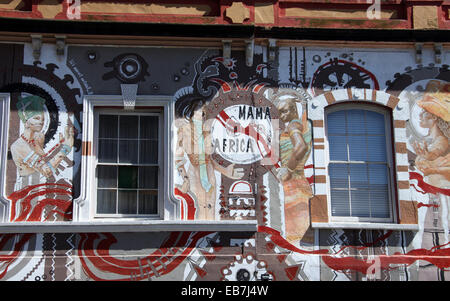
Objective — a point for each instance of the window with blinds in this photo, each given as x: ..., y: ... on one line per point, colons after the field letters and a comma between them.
x: 128, y: 164
x: 360, y: 162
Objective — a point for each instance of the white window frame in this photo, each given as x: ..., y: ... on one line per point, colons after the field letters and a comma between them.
x: 403, y: 204
x: 162, y: 151
x: 85, y: 205
x: 4, y: 124
x: 389, y: 157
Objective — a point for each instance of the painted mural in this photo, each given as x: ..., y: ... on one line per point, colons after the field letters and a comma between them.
x: 244, y: 147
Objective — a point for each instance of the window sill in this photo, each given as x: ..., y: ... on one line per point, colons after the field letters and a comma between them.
x: 128, y: 226
x: 366, y: 226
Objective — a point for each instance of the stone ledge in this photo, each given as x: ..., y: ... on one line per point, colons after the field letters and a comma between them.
x: 366, y: 226
x: 128, y: 226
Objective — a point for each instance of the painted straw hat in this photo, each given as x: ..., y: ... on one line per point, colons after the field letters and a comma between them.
x: 436, y: 99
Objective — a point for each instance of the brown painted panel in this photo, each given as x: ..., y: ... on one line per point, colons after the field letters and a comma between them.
x: 319, y: 209
x: 392, y: 102
x: 399, y: 123
x: 402, y: 168
x: 403, y: 184
x: 320, y: 179
x: 349, y: 93
x: 318, y: 123
x: 330, y: 98
x: 400, y: 147
x: 408, y: 212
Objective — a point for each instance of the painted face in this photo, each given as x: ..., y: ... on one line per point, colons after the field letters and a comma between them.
x: 286, y: 110
x: 427, y: 120
x: 35, y: 123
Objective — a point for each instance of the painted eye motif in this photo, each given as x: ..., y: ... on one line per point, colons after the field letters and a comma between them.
x: 129, y: 68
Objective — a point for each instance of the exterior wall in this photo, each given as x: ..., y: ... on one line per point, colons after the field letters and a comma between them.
x: 285, y: 246
x: 348, y: 14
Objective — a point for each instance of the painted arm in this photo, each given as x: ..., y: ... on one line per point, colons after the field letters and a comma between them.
x: 440, y: 165
x: 433, y: 151
x: 66, y: 147
x: 299, y: 145
x: 29, y: 162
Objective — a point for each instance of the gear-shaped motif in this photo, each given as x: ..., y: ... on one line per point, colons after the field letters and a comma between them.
x: 401, y: 81
x: 341, y: 74
x: 244, y: 268
x: 48, y: 76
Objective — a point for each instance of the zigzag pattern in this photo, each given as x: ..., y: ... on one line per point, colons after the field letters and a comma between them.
x: 53, y: 256
x: 34, y: 268
x: 264, y: 208
x: 71, y: 261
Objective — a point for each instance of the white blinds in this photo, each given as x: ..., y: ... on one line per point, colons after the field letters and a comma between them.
x: 358, y: 169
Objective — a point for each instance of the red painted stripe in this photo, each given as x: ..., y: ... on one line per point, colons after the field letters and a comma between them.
x: 425, y: 186
x: 190, y: 203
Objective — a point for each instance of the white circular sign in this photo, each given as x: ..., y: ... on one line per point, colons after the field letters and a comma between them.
x: 242, y: 134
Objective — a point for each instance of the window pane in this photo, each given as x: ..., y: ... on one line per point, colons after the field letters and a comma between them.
x: 148, y: 177
x: 361, y: 133
x: 128, y: 151
x: 336, y: 123
x: 360, y: 203
x: 338, y: 175
x: 149, y: 127
x: 375, y: 123
x: 128, y: 127
x: 355, y: 122
x: 377, y: 148
x: 106, y: 201
x: 357, y: 148
x: 127, y: 202
x: 128, y: 176
x: 148, y: 152
x: 148, y: 202
x: 378, y: 176
x: 380, y: 204
x: 128, y: 187
x: 338, y: 148
x: 340, y: 203
x: 107, y: 126
x: 107, y: 176
x: 358, y: 176
x: 107, y: 151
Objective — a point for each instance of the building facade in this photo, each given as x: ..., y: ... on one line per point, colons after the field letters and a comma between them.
x: 224, y: 140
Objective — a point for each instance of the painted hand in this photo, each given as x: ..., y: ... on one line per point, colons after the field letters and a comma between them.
x: 46, y: 171
x: 420, y: 149
x: 234, y: 173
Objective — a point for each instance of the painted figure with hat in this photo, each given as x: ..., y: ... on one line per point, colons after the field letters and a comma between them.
x: 28, y: 150
x: 433, y: 155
